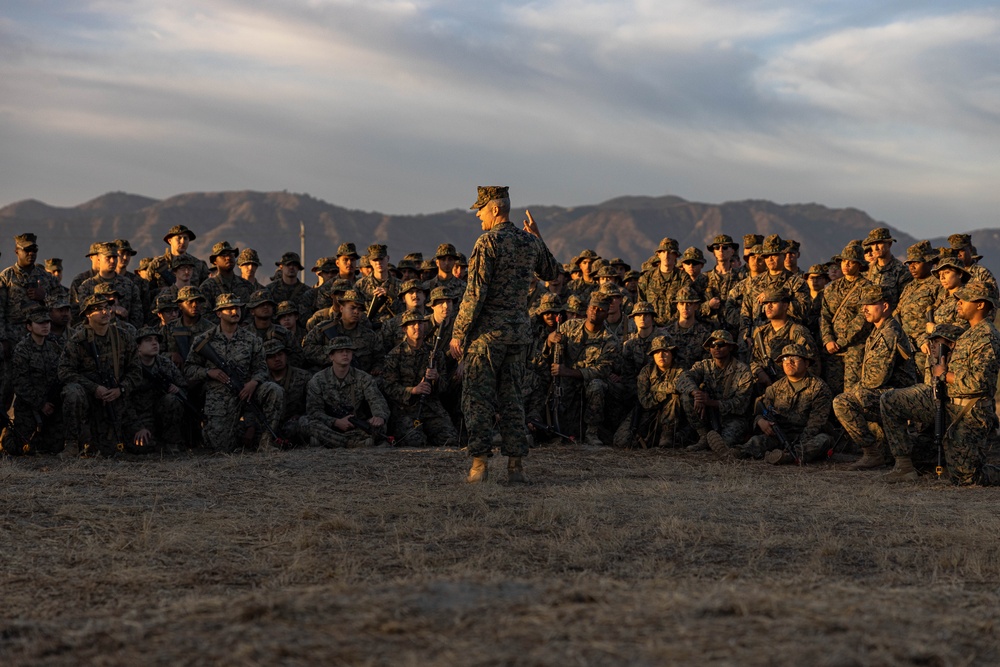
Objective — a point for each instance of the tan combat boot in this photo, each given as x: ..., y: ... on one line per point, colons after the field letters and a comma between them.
x: 515, y: 473
x: 479, y: 472
x: 71, y: 450
x: 719, y: 446
x: 699, y: 446
x: 903, y: 471
x: 871, y: 457
x: 777, y: 457
x: 592, y: 439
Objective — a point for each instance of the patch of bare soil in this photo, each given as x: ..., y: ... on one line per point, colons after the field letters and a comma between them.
x: 378, y: 557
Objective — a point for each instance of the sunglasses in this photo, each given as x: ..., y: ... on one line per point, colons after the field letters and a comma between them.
x: 717, y: 346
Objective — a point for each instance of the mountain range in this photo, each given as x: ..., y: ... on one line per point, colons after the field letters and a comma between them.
x: 629, y: 227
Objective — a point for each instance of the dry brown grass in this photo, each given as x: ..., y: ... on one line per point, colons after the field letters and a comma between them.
x: 385, y: 557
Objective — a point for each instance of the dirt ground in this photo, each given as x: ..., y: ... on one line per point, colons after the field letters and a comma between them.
x: 379, y: 557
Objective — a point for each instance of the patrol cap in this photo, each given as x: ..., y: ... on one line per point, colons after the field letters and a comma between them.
x: 273, y: 347
x: 687, y: 294
x: 773, y: 245
x: 352, y: 295
x: 165, y: 301
x: 411, y: 286
x: 642, y: 308
x: 286, y: 308
x: 550, y: 303
x: 182, y: 260
x: 795, y: 350
x: 660, y: 343
x: 340, y: 343
x: 38, y: 314
x: 411, y: 316
x: 124, y: 246
x: 949, y: 332
x: 26, y: 240
x: 441, y: 294
x: 348, y: 250
x: 291, y: 258
x: 248, y: 256
x: 53, y: 264
x: 693, y: 256
x: 95, y: 249
x: 446, y: 250
x: 722, y: 241
x: 921, y: 251
x: 259, y: 298
x: 147, y: 331
x: 878, y: 235
x: 92, y: 302
x: 667, y: 244
x: 228, y: 301
x: 871, y: 294
x: 177, y: 230
x: 976, y: 290
x: 487, y: 193
x: 189, y: 293
x: 719, y: 336
x: 599, y: 300
x: 325, y: 265
x: 364, y: 262
x: 960, y: 241
x: 776, y: 294
x: 377, y: 251
x: 223, y: 248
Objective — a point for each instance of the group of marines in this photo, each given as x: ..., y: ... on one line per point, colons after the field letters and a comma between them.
x: 754, y: 358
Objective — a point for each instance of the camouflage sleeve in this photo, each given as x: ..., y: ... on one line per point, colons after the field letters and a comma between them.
x: 876, y: 369
x: 314, y: 346
x: 644, y: 389
x: 376, y: 401
x: 71, y: 364
x: 196, y: 366
x: 168, y: 370
x: 737, y: 402
x: 691, y: 379
x: 826, y: 332
x: 131, y: 372
x: 136, y: 313
x: 972, y: 371
x: 258, y: 364
x: 315, y: 405
x: 819, y: 410
x: 24, y: 379
x: 391, y: 380
x: 481, y: 267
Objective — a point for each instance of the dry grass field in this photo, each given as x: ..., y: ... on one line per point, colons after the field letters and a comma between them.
x: 384, y: 557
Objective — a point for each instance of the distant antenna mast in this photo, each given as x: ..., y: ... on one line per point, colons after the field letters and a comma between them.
x: 302, y: 241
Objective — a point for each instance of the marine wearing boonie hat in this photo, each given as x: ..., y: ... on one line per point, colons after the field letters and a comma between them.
x: 878, y: 235
x: 351, y: 295
x: 949, y: 332
x: 56, y: 301
x: 487, y: 193
x: 177, y: 230
x: 54, y: 264
x: 960, y: 241
x: 723, y: 241
x: 189, y: 293
x: 441, y: 294
x: 773, y: 245
x: 291, y: 259
x: 950, y: 263
x: 462, y: 260
x: 377, y: 251
x: 95, y: 249
x: 667, y: 244
x: 574, y: 304
x: 123, y: 245
x: 921, y: 251
x: 223, y: 248
x: 92, y: 302
x: 411, y: 316
x: 286, y: 308
x: 661, y: 343
x: 228, y: 301
x: 446, y: 250
x: 274, y: 346
x: 750, y: 240
x: 872, y: 294
x: 177, y: 261
x: 106, y: 289
x: 325, y: 265
x: 340, y: 343
x: 817, y: 270
x: 549, y: 303
x: 642, y: 308
x: 586, y: 254
x: 599, y: 300
x: 146, y: 332
x: 693, y: 256
x: 259, y: 298
x: 411, y: 286
x: 164, y: 302
x: 775, y: 295
x: 687, y: 294
x: 976, y: 290
x: 348, y: 250
x: 854, y: 253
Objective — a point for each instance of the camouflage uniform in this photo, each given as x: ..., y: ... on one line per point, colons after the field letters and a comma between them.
x: 298, y: 292
x: 894, y: 275
x: 659, y: 406
x: 752, y: 313
x: 916, y: 298
x: 162, y: 413
x: 326, y: 395
x: 103, y: 427
x: 34, y: 381
x: 732, y: 385
x: 244, y: 354
x: 128, y: 298
x: 658, y: 287
x: 404, y: 369
x: 768, y: 343
x: 594, y: 355
x: 294, y: 424
x: 689, y: 342
x: 367, y: 285
x: 215, y: 286
x: 800, y: 409
x: 970, y: 417
x: 492, y: 326
x: 161, y: 265
x: 842, y: 321
x: 15, y: 281
x: 888, y: 363
x: 368, y: 343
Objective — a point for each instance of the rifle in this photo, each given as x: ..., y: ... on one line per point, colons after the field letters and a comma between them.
x: 8, y: 423
x: 939, y: 391
x: 556, y: 392
x: 235, y: 384
x: 551, y: 430
x: 713, y: 414
x: 344, y: 410
x: 107, y: 378
x: 376, y: 305
x: 430, y: 366
x: 771, y: 415
x: 163, y: 384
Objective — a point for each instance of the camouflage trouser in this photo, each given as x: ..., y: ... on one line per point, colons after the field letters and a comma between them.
x: 223, y: 411
x: 620, y: 397
x: 325, y: 434
x: 813, y: 449
x: 45, y: 435
x: 295, y: 430
x: 585, y: 399
x: 856, y: 408
x: 648, y: 424
x: 94, y: 423
x: 492, y: 384
x: 842, y: 369
x: 734, y: 427
x: 536, y: 393
x: 965, y: 436
x: 168, y: 421
x: 435, y: 427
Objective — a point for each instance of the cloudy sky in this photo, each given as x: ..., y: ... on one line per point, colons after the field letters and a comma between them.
x: 404, y: 106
